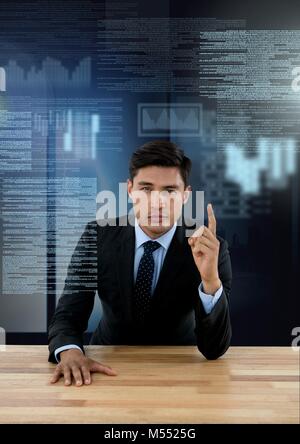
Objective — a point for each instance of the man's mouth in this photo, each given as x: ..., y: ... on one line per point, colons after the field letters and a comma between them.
x: 157, y: 218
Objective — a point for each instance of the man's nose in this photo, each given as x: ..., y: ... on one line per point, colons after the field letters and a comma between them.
x: 158, y: 199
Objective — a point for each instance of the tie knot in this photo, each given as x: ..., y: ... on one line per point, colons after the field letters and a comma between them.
x: 150, y: 246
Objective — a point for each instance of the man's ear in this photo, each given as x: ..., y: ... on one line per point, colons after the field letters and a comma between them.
x: 186, y: 194
x: 129, y: 186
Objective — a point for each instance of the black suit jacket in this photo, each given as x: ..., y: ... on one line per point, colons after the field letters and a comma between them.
x: 103, y: 260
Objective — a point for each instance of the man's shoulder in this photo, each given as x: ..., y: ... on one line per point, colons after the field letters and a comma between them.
x: 109, y: 225
x: 113, y: 222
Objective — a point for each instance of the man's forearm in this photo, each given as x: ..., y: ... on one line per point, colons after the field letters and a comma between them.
x: 213, y: 331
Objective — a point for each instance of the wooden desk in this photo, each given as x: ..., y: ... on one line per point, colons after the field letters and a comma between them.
x: 154, y: 385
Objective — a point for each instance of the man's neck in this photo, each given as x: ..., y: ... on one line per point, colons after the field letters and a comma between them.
x: 153, y: 235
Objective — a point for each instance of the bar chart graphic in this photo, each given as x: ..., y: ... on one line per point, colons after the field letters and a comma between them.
x: 275, y: 158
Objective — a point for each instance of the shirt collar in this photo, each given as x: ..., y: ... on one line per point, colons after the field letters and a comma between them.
x: 164, y: 240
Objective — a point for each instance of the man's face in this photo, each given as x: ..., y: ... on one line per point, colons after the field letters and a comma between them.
x: 158, y: 194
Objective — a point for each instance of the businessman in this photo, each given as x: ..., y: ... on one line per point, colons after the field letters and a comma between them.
x: 156, y: 285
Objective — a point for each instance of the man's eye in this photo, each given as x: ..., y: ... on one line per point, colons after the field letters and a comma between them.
x: 145, y: 189
x: 171, y: 191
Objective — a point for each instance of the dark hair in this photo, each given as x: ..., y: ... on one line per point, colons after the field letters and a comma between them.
x: 160, y: 153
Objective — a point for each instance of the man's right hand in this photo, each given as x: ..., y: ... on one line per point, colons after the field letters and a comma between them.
x: 75, y: 365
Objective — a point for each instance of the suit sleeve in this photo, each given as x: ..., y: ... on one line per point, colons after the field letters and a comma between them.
x: 213, y: 330
x: 74, y: 307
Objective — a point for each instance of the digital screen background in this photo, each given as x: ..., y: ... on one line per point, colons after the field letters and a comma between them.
x: 84, y: 83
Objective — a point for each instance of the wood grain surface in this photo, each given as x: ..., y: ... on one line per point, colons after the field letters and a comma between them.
x: 155, y: 384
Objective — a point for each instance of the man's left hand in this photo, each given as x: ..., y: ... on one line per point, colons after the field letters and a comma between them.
x: 205, y: 249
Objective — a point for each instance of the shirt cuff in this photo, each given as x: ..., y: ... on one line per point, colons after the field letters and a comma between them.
x: 209, y: 300
x: 63, y: 348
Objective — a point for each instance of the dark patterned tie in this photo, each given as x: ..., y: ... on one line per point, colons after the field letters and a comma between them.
x: 143, y: 283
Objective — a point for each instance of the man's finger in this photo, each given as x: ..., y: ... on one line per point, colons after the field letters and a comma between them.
x: 77, y: 375
x: 191, y: 241
x: 198, y: 232
x: 67, y: 376
x: 97, y: 367
x: 86, y: 375
x: 208, y: 234
x: 205, y: 241
x: 200, y: 248
x: 212, y: 223
x: 110, y: 372
x: 56, y: 375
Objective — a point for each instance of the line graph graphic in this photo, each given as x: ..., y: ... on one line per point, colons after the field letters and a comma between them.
x: 51, y: 71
